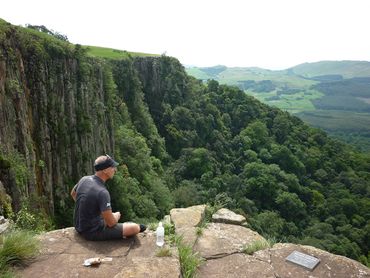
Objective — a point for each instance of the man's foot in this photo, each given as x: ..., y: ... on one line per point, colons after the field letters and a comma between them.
x: 142, y: 228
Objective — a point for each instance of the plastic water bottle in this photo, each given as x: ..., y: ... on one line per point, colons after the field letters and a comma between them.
x: 160, y: 235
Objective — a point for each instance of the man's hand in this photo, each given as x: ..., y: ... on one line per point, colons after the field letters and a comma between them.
x: 110, y: 218
x: 117, y: 215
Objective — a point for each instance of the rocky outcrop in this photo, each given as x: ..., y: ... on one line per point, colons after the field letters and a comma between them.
x: 64, y: 252
x: 220, y: 245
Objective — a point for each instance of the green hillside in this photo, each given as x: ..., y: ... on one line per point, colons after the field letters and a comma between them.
x: 200, y: 74
x: 347, y: 69
x: 235, y: 75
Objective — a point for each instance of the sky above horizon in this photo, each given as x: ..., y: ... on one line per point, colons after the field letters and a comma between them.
x: 269, y: 34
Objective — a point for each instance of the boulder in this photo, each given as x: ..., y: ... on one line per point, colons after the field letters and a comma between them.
x: 224, y: 215
x: 187, y: 217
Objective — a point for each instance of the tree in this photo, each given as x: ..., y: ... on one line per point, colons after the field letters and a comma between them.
x: 290, y: 206
x: 258, y: 133
x: 269, y: 224
x: 187, y: 194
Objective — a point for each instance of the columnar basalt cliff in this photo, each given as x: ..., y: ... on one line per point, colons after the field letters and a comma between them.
x: 58, y: 110
x: 54, y: 116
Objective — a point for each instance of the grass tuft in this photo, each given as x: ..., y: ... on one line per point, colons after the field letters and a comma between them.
x: 199, y: 231
x: 164, y: 252
x: 256, y: 246
x: 189, y: 260
x: 18, y: 248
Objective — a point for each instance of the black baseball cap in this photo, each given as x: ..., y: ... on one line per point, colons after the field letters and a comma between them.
x: 109, y: 162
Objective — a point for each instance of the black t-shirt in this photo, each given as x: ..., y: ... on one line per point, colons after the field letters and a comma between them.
x: 92, y: 199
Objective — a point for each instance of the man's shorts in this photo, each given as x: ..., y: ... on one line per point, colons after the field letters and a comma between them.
x: 107, y: 233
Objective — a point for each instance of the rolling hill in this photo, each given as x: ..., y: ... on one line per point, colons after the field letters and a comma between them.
x: 332, y: 95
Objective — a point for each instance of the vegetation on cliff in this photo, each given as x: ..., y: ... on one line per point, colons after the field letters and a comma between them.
x: 183, y: 142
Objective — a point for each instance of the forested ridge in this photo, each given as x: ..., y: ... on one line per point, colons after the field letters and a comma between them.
x: 181, y: 141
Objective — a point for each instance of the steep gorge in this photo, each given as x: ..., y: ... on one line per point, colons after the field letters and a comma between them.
x: 182, y: 143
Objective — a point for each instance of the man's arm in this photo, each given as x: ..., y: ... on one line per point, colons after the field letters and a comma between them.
x: 110, y: 218
x: 74, y: 193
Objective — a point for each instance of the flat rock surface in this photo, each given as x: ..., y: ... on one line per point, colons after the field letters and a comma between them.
x: 154, y: 267
x: 235, y: 266
x: 64, y: 251
x: 330, y: 265
x: 189, y: 235
x: 219, y: 239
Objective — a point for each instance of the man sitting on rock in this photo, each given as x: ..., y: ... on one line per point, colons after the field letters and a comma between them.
x: 93, y: 216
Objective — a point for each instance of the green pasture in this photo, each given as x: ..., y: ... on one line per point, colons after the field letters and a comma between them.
x: 110, y: 53
x: 293, y: 103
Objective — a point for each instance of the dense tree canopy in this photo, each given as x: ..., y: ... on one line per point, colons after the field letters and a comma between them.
x: 292, y: 181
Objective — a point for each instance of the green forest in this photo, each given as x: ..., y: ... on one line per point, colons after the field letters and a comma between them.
x: 180, y: 142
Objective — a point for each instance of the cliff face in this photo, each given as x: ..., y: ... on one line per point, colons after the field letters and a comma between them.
x: 61, y: 108
x: 55, y: 116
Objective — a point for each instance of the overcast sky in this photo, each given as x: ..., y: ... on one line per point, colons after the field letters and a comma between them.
x: 272, y: 34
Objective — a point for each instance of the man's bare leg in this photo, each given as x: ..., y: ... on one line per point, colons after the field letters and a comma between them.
x: 130, y: 229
